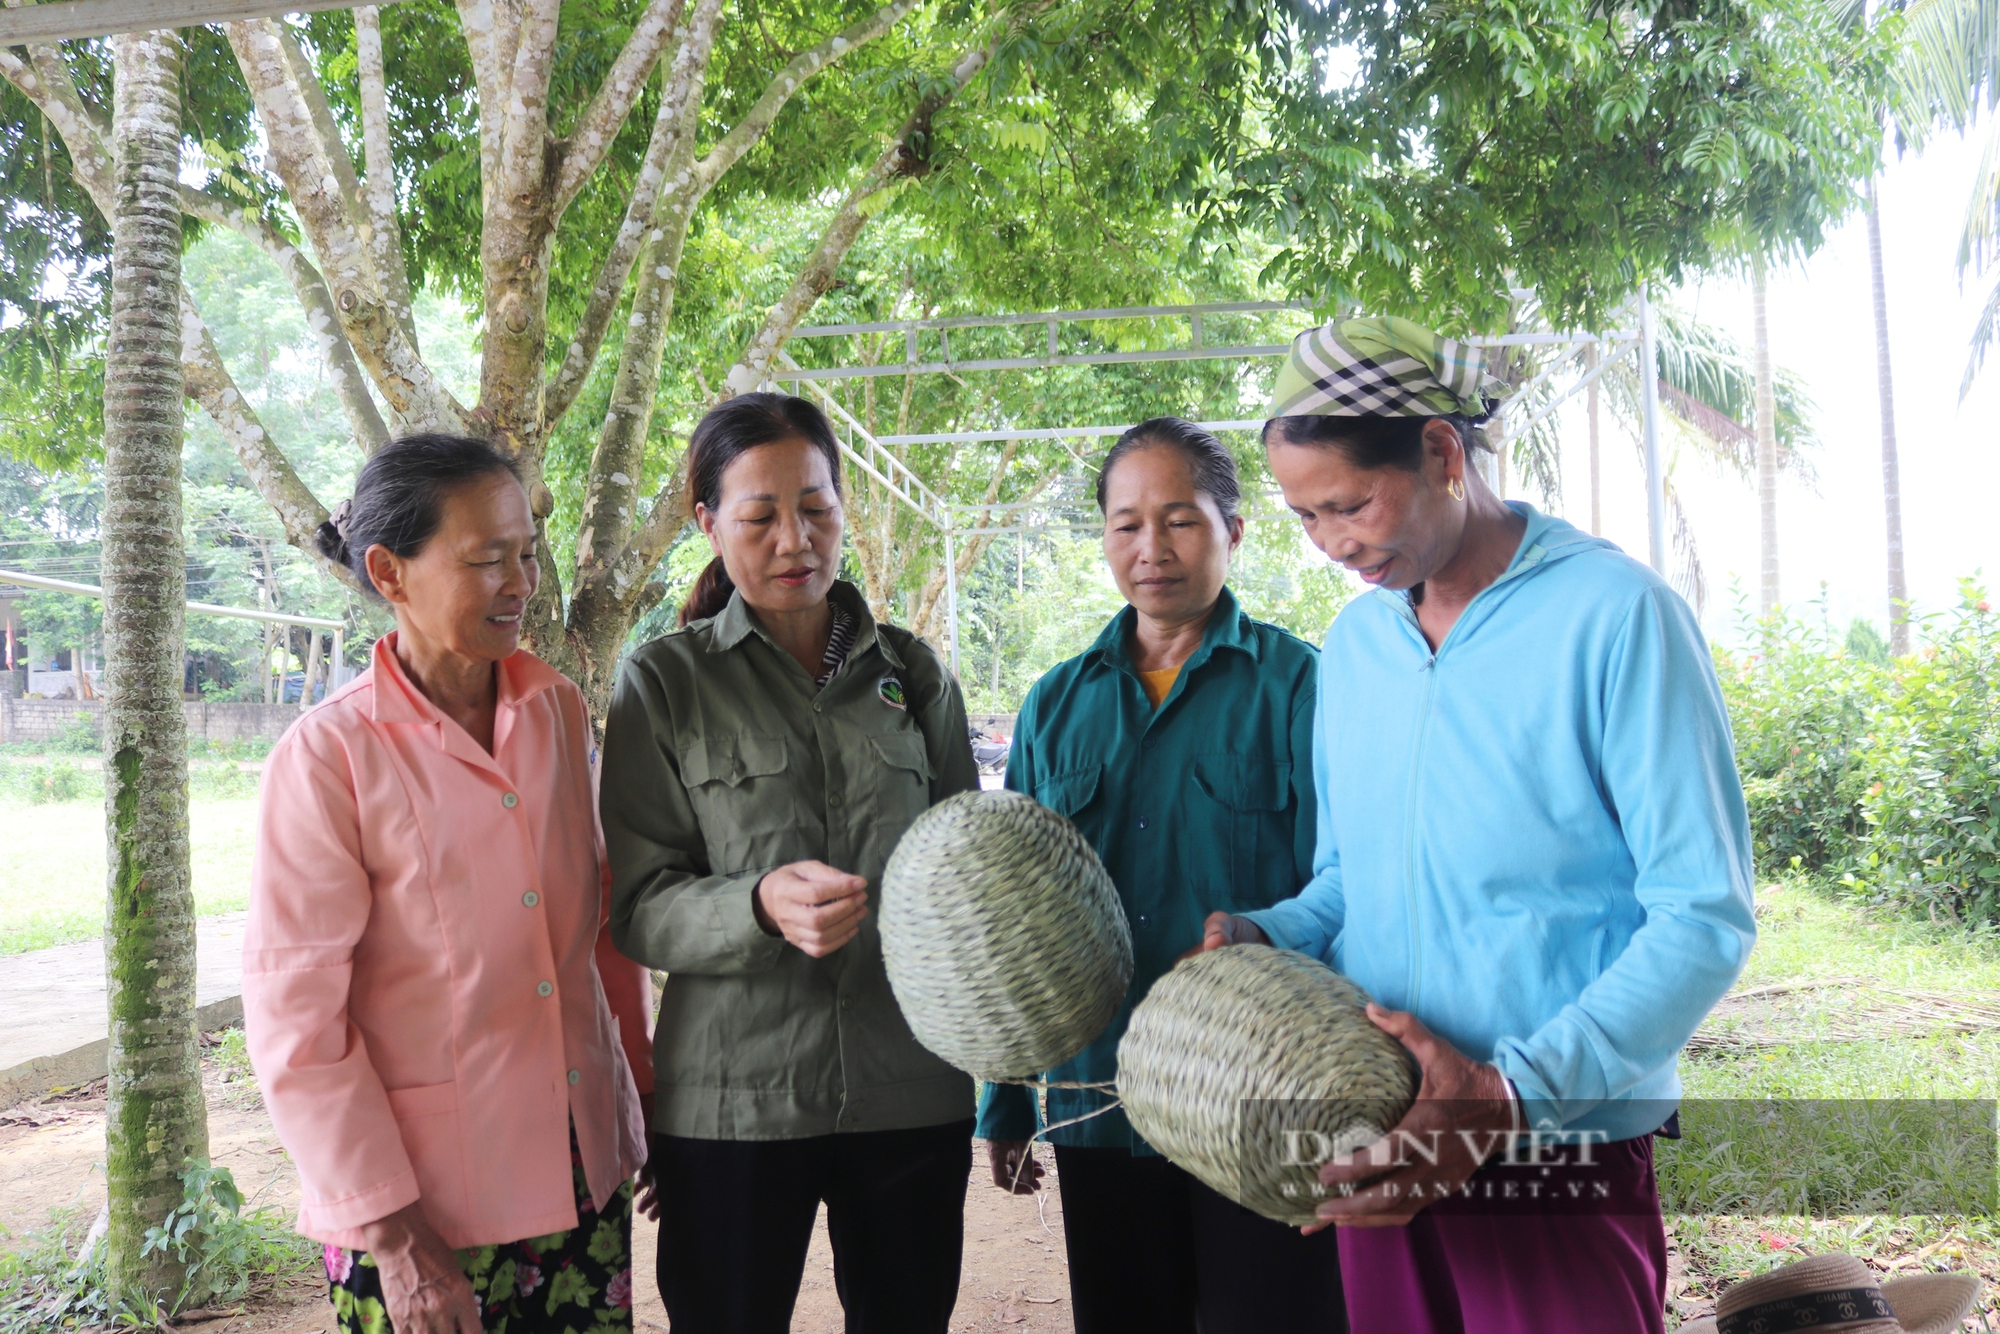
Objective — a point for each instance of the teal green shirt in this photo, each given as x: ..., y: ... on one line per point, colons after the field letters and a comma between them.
x: 1205, y: 803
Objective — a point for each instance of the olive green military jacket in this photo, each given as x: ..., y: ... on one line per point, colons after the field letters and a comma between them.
x: 723, y: 761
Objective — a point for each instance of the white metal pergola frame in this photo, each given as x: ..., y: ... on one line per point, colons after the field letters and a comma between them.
x: 339, y: 628
x: 66, y: 20
x: 875, y: 456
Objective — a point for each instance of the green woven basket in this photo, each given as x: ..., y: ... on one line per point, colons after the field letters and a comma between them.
x: 1005, y: 941
x: 1248, y: 1066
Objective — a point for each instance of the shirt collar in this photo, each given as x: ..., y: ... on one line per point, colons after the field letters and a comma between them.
x: 397, y: 699
x: 734, y: 623
x: 1228, y: 627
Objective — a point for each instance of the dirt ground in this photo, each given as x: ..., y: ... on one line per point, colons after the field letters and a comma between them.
x: 51, y: 1155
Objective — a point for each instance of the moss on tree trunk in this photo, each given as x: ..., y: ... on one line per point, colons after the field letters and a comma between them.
x: 156, y: 1119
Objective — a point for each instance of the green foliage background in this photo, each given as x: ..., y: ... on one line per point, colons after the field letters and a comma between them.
x: 1884, y: 773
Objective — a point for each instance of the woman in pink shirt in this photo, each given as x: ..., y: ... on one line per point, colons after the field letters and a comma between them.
x: 453, y: 1053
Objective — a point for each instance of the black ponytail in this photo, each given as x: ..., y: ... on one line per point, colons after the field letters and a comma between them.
x: 710, y: 594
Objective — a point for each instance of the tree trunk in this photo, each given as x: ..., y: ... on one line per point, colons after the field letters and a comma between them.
x: 1596, y: 469
x: 312, y: 670
x: 1892, y: 479
x: 1768, y: 596
x: 156, y: 1120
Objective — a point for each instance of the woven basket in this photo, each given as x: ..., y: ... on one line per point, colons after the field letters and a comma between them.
x: 1006, y: 944
x: 1248, y: 1066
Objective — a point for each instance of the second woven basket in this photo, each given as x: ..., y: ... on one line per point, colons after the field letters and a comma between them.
x: 1004, y: 938
x: 1249, y: 1066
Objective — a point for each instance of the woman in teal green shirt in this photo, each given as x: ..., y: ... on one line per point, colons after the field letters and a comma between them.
x: 1180, y: 744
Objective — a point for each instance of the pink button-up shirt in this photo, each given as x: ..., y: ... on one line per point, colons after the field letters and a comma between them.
x: 429, y: 987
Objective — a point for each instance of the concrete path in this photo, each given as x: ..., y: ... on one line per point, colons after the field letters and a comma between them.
x: 53, y: 1000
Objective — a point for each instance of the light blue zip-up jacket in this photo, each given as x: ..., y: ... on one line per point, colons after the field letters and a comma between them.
x: 1534, y: 839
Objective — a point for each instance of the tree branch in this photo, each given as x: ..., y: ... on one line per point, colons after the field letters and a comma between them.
x: 392, y: 279
x: 683, y: 190
x: 587, y: 143
x: 628, y: 565
x: 378, y: 194
x: 205, y: 378
x: 43, y: 81
x: 208, y: 383
x: 778, y: 92
x: 524, y: 134
x: 896, y: 161
x: 305, y: 84
x: 671, y: 146
x: 322, y: 320
x: 492, y: 30
x: 313, y: 189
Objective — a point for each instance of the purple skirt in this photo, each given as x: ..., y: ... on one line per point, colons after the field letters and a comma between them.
x: 1560, y: 1247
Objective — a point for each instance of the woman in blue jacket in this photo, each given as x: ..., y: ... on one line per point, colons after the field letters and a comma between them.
x: 1533, y: 851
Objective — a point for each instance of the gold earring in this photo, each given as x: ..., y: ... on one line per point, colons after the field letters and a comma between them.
x: 1455, y: 489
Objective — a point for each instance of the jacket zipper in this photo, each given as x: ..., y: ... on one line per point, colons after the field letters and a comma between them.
x: 1410, y: 834
x: 1533, y: 558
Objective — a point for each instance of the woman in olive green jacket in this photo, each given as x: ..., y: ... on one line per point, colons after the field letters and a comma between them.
x: 759, y: 766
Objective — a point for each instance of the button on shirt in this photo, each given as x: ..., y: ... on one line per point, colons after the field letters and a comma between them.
x: 723, y: 760
x: 411, y: 1024
x: 1200, y: 803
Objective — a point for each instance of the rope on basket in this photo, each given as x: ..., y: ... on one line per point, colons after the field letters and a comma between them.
x: 1004, y: 939
x: 1109, y: 1086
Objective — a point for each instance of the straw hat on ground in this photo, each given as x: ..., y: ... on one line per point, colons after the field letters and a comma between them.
x: 1838, y: 1292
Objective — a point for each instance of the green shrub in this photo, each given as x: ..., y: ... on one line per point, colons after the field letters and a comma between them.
x: 57, y: 780
x: 1798, y: 706
x: 1932, y: 803
x: 78, y: 737
x: 242, y: 748
x: 224, y: 1249
x: 1884, y: 773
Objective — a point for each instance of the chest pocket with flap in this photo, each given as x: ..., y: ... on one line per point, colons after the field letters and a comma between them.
x: 896, y: 789
x: 1256, y: 817
x: 741, y: 792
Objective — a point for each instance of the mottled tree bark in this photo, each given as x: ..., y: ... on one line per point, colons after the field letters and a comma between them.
x: 156, y: 1120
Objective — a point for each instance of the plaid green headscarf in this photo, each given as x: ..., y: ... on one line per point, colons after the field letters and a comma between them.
x: 1381, y: 367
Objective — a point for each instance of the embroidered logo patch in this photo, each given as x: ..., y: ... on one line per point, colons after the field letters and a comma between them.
x: 891, y: 691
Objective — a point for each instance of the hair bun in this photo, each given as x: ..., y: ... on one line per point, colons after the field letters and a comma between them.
x: 331, y: 544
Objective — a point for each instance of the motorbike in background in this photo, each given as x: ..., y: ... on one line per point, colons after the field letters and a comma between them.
x: 989, y: 752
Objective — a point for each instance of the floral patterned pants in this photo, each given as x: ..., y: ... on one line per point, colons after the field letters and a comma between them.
x: 574, y: 1282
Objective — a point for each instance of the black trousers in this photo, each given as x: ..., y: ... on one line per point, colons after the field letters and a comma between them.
x: 1153, y: 1250
x: 737, y: 1215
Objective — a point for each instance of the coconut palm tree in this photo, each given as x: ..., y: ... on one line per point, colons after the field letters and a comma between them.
x: 1892, y: 466
x: 1708, y: 388
x: 1767, y: 439
x: 1947, y: 73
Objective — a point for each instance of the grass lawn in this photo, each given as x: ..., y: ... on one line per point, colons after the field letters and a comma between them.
x: 1866, y: 965
x: 52, y: 869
